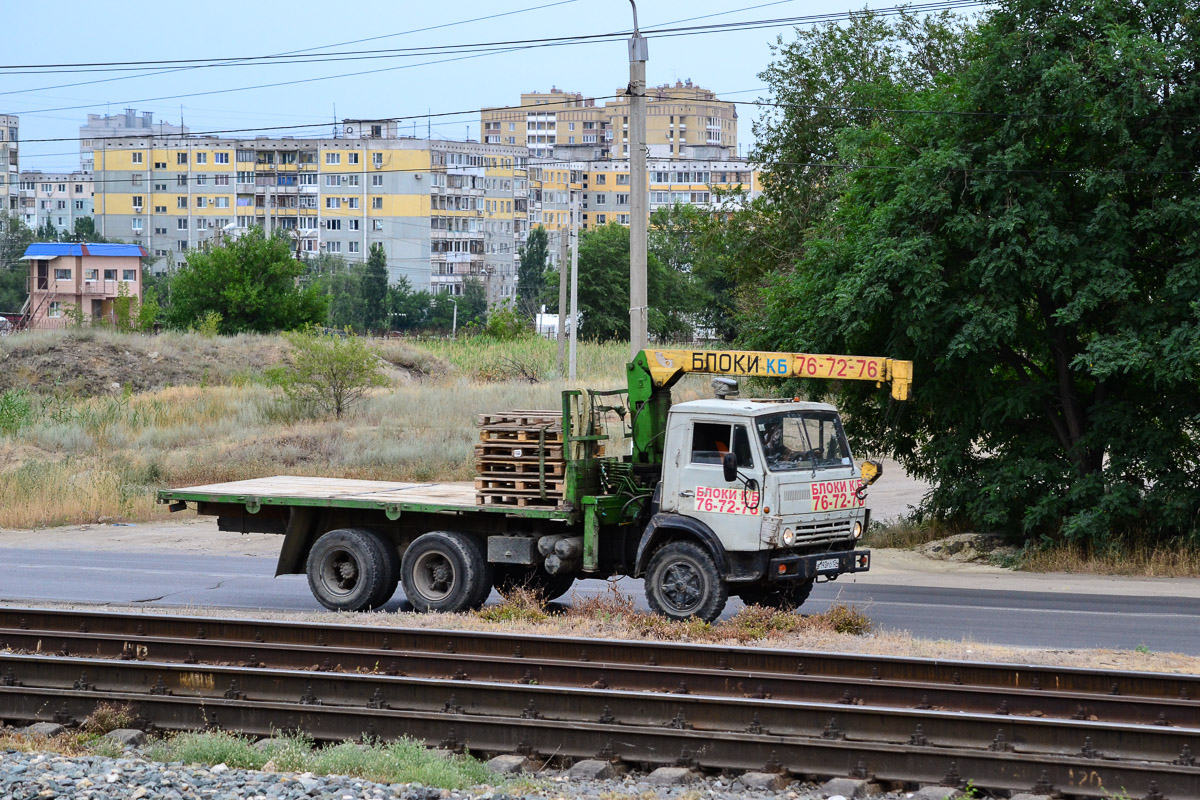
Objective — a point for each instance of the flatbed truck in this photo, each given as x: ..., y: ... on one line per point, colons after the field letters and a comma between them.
x: 718, y: 497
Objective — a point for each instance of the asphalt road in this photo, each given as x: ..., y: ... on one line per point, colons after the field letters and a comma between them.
x: 1054, y: 619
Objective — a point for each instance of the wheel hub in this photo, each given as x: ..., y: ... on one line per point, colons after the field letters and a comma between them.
x: 347, y: 570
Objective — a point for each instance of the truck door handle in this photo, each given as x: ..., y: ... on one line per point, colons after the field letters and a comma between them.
x: 687, y: 493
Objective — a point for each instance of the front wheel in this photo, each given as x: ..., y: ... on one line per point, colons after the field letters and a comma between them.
x: 682, y: 581
x: 445, y: 571
x: 785, y: 598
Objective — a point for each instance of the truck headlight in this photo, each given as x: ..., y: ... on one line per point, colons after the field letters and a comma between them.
x: 789, y: 536
x: 857, y: 530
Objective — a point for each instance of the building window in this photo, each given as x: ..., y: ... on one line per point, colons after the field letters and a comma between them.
x: 181, y: 180
x: 622, y: 199
x: 221, y: 202
x: 352, y: 224
x: 110, y: 274
x: 220, y: 180
x: 376, y: 203
x: 181, y: 158
x: 90, y: 274
x: 352, y: 180
x: 333, y: 202
x: 220, y: 158
x: 160, y: 231
x: 352, y: 202
x: 137, y: 201
x: 351, y: 158
x: 377, y: 180
x: 160, y: 165
x: 181, y: 246
x: 333, y: 180
x: 201, y: 180
x: 333, y: 158
x: 136, y: 223
x: 333, y: 247
x: 377, y: 160
x: 137, y: 158
x: 353, y: 247
x: 55, y: 310
x: 333, y: 224
x: 160, y: 209
x: 377, y: 224
x: 601, y: 200
x: 129, y: 275
x: 201, y: 202
x: 181, y: 202
x: 62, y: 274
x: 181, y: 224
x: 201, y: 158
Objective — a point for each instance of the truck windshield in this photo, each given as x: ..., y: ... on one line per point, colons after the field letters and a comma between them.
x: 803, y: 440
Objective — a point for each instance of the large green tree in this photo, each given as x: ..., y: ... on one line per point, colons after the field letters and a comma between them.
x: 531, y: 271
x: 251, y: 281
x: 15, y: 238
x: 1028, y: 238
x: 374, y: 289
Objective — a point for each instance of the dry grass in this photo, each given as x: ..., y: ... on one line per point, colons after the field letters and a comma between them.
x: 107, y: 717
x: 1134, y: 560
x: 906, y: 534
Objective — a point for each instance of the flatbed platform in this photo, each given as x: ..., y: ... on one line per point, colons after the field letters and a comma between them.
x: 391, y: 497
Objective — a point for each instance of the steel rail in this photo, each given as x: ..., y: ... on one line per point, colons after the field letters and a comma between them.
x: 819, y: 755
x: 718, y: 714
x: 670, y: 656
x: 814, y: 688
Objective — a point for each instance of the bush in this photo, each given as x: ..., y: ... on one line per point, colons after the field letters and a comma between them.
x: 328, y: 371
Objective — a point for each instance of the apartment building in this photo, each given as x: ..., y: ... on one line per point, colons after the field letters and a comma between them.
x: 422, y: 199
x: 130, y: 123
x: 56, y: 198
x: 9, y: 164
x: 698, y: 182
x: 679, y: 118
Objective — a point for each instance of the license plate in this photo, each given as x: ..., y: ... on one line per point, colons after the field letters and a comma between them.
x: 827, y: 564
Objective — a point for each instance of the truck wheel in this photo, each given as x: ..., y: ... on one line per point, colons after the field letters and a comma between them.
x: 682, y: 581
x: 392, y: 577
x: 513, y: 576
x: 785, y: 598
x: 348, y: 570
x: 445, y: 571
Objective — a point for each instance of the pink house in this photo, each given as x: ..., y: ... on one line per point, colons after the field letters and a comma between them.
x: 89, y: 277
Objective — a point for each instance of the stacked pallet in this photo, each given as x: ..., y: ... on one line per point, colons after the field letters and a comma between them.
x: 519, y: 459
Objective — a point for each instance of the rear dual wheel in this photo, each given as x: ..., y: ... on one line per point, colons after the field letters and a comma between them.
x: 507, y: 577
x: 446, y: 571
x: 352, y: 569
x: 786, y: 597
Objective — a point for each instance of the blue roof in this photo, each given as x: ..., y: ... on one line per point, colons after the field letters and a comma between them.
x: 56, y: 249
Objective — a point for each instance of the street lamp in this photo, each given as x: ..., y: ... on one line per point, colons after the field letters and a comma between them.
x: 454, y: 324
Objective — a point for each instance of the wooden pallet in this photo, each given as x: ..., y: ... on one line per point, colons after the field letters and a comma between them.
x: 518, y: 451
x: 522, y: 419
x: 511, y: 485
x: 504, y: 433
x: 499, y: 468
x: 517, y: 500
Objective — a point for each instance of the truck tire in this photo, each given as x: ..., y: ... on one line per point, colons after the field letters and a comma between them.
x: 682, y: 581
x: 348, y: 570
x: 784, y: 598
x: 550, y: 587
x: 445, y: 571
x: 392, y: 577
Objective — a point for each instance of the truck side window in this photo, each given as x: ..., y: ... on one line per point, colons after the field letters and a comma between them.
x: 741, y: 446
x: 710, y: 442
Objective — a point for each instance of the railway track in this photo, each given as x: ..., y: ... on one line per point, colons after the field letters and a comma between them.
x: 1014, y: 727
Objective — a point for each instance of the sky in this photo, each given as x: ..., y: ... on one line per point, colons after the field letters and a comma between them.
x: 313, y: 95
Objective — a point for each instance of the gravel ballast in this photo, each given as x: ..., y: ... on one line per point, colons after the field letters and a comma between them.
x: 24, y: 776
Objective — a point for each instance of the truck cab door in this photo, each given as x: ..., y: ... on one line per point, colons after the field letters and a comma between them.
x: 694, y: 485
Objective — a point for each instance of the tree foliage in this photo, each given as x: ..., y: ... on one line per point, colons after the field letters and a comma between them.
x: 251, y: 281
x: 531, y: 271
x: 15, y: 238
x: 1028, y: 239
x: 374, y: 289
x: 327, y: 371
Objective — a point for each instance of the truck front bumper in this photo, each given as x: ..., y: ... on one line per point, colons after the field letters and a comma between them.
x: 791, y: 568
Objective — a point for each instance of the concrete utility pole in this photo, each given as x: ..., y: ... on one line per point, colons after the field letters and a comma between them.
x: 639, y: 191
x: 574, y: 281
x: 562, y: 301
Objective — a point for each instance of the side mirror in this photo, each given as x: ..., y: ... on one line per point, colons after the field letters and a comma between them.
x: 871, y: 470
x: 729, y: 465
